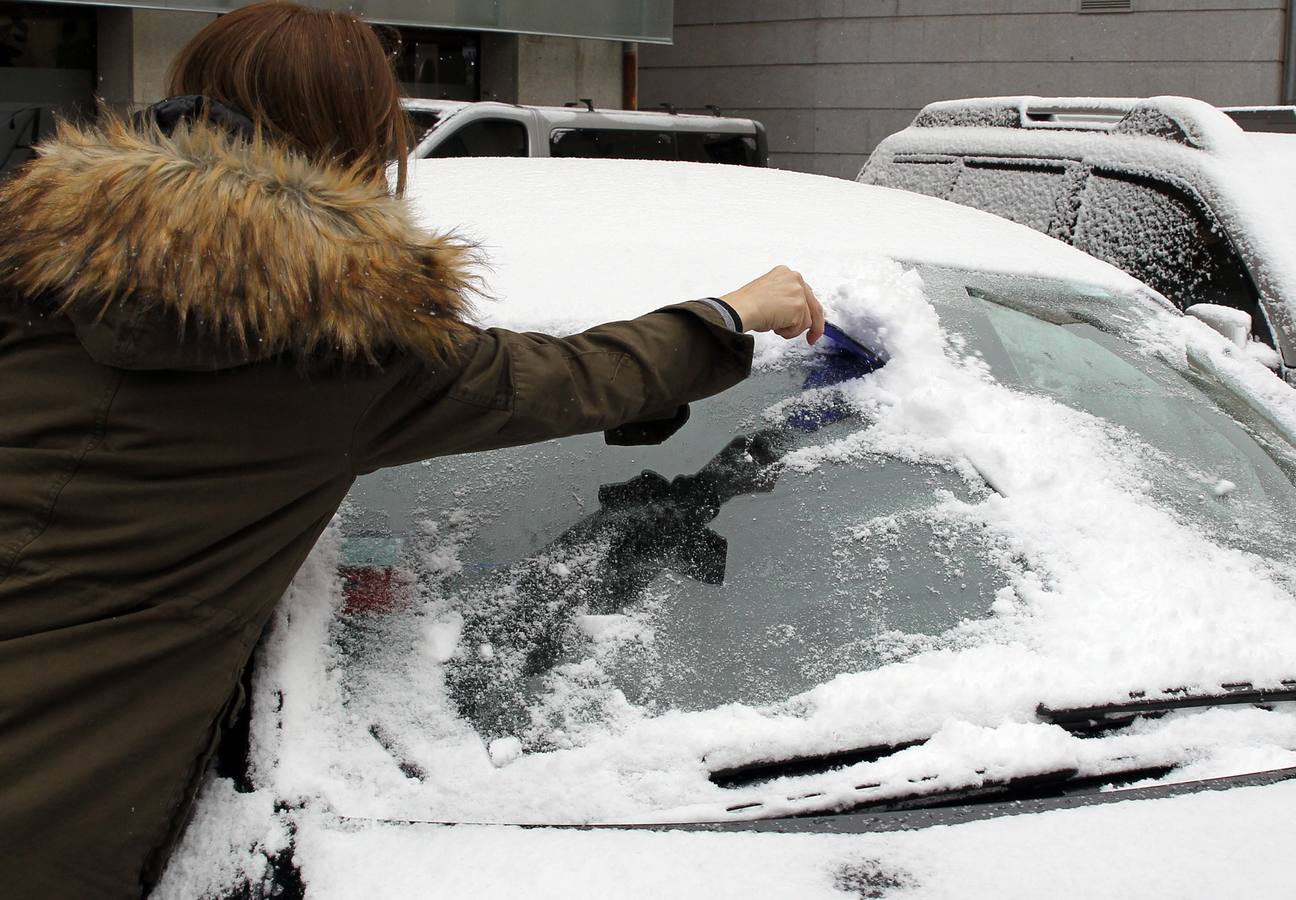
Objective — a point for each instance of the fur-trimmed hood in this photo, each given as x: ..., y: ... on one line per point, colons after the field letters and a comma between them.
x: 242, y: 247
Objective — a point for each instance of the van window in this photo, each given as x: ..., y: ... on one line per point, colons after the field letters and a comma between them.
x: 716, y: 147
x: 424, y: 121
x: 485, y: 137
x: 611, y: 143
x: 1163, y: 237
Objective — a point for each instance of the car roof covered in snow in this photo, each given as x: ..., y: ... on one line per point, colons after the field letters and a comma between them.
x: 687, y: 230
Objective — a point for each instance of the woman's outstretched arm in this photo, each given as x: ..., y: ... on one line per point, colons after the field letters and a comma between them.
x: 510, y: 388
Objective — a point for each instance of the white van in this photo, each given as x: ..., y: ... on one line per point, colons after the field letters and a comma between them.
x: 452, y: 128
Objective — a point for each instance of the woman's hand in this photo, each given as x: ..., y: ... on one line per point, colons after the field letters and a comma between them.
x: 779, y: 301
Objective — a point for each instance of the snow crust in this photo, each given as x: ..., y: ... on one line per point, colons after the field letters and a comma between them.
x: 1108, y: 588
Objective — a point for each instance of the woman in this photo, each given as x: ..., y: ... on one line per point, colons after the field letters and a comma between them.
x: 211, y: 321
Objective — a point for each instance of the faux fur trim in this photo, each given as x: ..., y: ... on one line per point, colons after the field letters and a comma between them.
x: 245, y: 241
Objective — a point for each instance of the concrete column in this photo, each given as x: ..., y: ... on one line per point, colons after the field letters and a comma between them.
x: 499, y: 67
x: 135, y: 48
x: 552, y: 71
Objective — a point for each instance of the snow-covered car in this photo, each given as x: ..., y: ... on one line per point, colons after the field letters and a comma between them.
x: 1032, y: 579
x: 1169, y: 189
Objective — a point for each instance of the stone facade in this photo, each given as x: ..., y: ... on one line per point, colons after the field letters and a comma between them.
x: 831, y: 78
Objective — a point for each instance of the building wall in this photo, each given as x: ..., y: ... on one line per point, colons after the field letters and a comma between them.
x: 831, y: 78
x: 551, y: 71
x: 136, y: 47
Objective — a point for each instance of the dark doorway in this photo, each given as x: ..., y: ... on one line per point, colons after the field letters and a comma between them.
x: 47, y: 68
x: 434, y: 63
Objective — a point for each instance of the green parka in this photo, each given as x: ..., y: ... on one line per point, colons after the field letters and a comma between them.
x: 202, y: 343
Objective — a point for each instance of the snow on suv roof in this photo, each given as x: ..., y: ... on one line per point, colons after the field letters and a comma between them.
x: 1195, y: 145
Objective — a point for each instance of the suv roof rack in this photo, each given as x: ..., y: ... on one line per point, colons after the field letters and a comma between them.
x: 1180, y: 120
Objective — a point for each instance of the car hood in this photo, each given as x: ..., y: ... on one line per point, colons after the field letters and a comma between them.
x: 1184, y: 846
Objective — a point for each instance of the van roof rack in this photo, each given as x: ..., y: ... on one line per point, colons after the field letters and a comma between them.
x: 587, y: 102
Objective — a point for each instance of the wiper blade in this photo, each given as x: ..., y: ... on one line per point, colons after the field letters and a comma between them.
x: 1059, y: 783
x: 1078, y: 720
x: 1034, y: 786
x: 1105, y: 717
x: 766, y: 770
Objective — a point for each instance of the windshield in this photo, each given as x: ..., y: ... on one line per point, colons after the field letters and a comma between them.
x: 997, y: 518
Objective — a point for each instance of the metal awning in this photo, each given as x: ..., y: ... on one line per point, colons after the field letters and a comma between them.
x: 646, y: 21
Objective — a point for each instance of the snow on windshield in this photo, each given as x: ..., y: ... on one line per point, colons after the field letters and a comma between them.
x: 1112, y: 593
x: 1106, y: 589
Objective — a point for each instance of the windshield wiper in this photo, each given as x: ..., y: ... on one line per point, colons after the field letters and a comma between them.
x: 1105, y: 717
x: 1081, y: 721
x: 767, y: 770
x: 1034, y: 786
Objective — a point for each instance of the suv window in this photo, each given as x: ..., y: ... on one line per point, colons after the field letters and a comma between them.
x: 485, y: 137
x: 611, y: 143
x: 1029, y: 194
x: 922, y: 176
x: 1163, y: 237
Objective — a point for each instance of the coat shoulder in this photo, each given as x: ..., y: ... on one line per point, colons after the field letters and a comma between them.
x: 237, y: 239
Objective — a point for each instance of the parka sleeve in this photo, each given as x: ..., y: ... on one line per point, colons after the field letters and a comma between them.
x: 511, y: 388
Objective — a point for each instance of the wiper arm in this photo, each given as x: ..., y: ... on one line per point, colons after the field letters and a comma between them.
x: 1105, y: 717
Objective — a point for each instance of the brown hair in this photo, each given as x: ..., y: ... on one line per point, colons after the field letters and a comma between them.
x: 316, y: 79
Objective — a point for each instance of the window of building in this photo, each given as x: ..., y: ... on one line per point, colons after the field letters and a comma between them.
x: 47, y: 67
x: 440, y: 65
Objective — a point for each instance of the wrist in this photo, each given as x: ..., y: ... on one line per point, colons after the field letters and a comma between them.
x: 732, y: 317
x: 747, y: 312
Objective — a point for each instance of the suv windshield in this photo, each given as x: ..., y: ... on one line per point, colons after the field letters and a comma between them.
x: 545, y: 598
